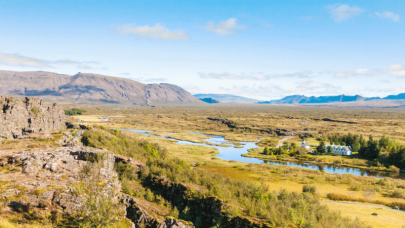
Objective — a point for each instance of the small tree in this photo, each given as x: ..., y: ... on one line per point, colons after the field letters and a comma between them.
x: 321, y: 148
x: 330, y: 149
x: 101, y: 206
x: 266, y: 151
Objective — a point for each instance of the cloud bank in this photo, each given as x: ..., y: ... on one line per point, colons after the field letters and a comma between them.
x: 388, y: 15
x: 9, y: 59
x: 259, y: 77
x: 343, y: 12
x: 228, y: 27
x: 155, y: 32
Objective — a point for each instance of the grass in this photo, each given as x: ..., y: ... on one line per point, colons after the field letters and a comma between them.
x: 385, y: 219
x: 277, y: 177
x: 256, y: 119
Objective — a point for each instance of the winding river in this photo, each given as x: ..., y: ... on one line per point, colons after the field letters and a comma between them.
x: 234, y: 152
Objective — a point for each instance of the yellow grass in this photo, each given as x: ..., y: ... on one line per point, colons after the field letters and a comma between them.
x: 6, y: 223
x: 385, y: 219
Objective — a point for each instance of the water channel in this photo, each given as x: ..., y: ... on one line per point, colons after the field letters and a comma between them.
x: 234, y: 151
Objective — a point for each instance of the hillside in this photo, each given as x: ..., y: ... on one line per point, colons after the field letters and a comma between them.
x: 227, y: 98
x: 89, y: 88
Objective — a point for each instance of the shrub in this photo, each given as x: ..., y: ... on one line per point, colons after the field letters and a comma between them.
x: 100, y: 203
x: 309, y: 188
x: 397, y: 194
x: 394, y: 169
x: 74, y: 111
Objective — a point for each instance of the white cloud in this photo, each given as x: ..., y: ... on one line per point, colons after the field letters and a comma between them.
x: 357, y: 72
x: 260, y: 77
x: 155, y: 32
x: 342, y: 12
x: 84, y: 66
x: 19, y: 60
x: 148, y: 80
x: 388, y: 15
x: 396, y: 70
x: 235, y: 77
x: 228, y: 27
x: 24, y: 61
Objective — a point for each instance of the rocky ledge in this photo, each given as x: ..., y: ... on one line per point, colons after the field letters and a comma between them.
x: 19, y: 117
x: 42, y: 179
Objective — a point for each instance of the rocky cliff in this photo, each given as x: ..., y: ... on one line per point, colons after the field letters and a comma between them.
x: 44, y: 182
x: 90, y: 88
x: 18, y: 117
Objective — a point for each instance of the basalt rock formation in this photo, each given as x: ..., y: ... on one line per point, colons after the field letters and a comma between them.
x: 45, y: 180
x: 210, y: 210
x: 32, y: 115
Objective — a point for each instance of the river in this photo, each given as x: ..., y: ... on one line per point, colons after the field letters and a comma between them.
x: 234, y: 153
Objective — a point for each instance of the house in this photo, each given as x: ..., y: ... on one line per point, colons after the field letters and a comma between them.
x: 305, y: 145
x: 341, y: 150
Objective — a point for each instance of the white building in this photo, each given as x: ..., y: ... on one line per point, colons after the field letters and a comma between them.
x: 341, y: 150
x: 305, y: 145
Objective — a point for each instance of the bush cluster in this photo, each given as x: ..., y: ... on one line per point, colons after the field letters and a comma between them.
x: 74, y: 111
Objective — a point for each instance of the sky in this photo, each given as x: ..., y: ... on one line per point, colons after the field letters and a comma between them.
x: 258, y: 49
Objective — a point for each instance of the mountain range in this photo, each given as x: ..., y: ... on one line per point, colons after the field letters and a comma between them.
x: 90, y: 88
x: 301, y: 99
x: 227, y: 98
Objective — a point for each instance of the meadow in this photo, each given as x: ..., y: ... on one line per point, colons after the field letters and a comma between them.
x: 271, y: 124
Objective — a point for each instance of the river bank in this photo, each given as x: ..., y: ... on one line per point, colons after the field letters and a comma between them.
x: 374, y: 171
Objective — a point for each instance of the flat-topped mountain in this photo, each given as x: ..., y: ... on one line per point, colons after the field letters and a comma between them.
x: 89, y: 88
x: 300, y: 99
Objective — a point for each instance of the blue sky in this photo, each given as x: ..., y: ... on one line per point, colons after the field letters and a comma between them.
x: 258, y: 49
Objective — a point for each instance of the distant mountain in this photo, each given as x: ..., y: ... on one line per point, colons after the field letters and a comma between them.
x: 395, y: 97
x: 227, y: 98
x: 209, y: 100
x: 300, y: 99
x: 89, y: 88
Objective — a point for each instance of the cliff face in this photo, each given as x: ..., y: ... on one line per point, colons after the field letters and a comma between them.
x: 45, y: 181
x: 18, y: 117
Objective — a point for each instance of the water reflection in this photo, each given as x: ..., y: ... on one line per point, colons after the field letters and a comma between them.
x: 234, y: 153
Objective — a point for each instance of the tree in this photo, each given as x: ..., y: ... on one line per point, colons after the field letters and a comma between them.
x: 100, y: 198
x: 330, y: 149
x: 384, y: 142
x: 371, y: 150
x: 356, y: 146
x: 321, y: 148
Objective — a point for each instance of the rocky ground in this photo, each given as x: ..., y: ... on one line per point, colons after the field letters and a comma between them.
x: 43, y: 180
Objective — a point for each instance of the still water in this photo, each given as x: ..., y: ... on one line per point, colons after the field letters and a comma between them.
x: 232, y: 153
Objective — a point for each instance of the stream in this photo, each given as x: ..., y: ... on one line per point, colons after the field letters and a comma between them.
x: 234, y: 153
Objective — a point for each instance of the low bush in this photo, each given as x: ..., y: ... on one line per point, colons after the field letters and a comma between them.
x: 309, y: 188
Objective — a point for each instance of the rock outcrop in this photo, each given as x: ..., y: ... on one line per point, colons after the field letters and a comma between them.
x: 44, y: 181
x: 209, y: 210
x: 19, y: 117
x: 142, y: 218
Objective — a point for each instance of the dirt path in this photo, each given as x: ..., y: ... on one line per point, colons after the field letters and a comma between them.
x: 280, y: 143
